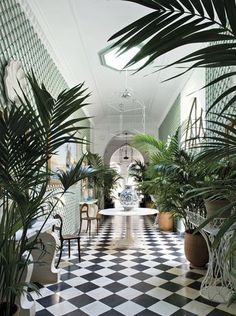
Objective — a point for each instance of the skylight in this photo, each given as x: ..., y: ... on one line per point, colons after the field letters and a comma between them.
x: 112, y: 58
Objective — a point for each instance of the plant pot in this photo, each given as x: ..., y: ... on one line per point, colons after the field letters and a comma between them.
x: 196, y: 251
x: 213, y: 206
x: 165, y: 221
x: 15, y: 310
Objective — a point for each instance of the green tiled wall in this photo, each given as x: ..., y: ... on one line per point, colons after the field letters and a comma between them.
x: 19, y: 41
x: 171, y: 121
x: 214, y: 91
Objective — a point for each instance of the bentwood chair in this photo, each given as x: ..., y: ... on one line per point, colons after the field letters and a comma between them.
x: 84, y: 216
x: 65, y: 238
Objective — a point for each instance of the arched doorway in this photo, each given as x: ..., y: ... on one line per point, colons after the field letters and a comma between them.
x: 120, y: 154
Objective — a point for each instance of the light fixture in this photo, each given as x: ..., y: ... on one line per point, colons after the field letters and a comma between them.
x: 112, y: 58
x: 126, y: 148
x: 126, y: 94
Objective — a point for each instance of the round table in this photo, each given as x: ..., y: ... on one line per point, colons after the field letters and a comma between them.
x: 129, y: 241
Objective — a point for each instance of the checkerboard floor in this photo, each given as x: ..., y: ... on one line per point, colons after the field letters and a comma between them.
x: 153, y: 280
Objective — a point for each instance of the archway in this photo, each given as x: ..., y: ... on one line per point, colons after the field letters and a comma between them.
x: 119, y: 154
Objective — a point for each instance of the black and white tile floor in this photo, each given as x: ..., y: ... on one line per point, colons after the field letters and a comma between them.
x: 154, y: 280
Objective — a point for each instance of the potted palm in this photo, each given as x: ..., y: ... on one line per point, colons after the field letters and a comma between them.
x: 173, y: 172
x: 31, y: 131
x: 216, y: 173
x: 154, y: 184
x: 138, y: 171
x: 106, y: 182
x: 110, y: 183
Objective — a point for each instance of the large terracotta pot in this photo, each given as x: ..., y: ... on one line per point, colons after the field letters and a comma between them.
x: 165, y: 221
x: 196, y: 251
x: 215, y: 205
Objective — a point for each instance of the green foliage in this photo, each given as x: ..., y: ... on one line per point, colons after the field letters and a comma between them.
x: 137, y: 171
x: 30, y: 132
x: 172, y: 173
x: 107, y: 178
x: 111, y: 182
x: 176, y: 23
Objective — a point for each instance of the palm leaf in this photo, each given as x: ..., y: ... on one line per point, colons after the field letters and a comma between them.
x: 176, y: 23
x: 75, y: 174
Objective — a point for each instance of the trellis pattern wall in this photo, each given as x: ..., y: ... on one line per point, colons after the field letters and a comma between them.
x: 19, y: 41
x: 215, y: 90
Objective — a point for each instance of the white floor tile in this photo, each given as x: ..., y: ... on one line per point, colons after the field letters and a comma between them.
x: 228, y: 309
x: 129, y: 308
x: 163, y: 308
x: 159, y: 293
x: 198, y: 308
x: 75, y: 281
x: 129, y: 293
x: 188, y: 292
x: 103, y: 281
x: 99, y: 293
x: 129, y: 281
x: 61, y: 308
x: 70, y: 293
x: 95, y: 308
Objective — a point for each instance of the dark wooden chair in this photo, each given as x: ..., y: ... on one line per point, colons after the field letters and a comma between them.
x: 84, y: 216
x: 63, y: 238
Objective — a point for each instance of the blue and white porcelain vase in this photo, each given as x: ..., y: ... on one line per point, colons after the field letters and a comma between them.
x: 128, y: 198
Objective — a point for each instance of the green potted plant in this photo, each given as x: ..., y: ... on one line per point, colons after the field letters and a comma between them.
x: 216, y: 173
x: 31, y: 131
x: 105, y: 182
x: 110, y: 183
x: 138, y: 171
x: 173, y: 171
x: 154, y: 185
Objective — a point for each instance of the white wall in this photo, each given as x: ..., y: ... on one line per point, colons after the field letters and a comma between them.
x: 192, y: 90
x: 108, y: 127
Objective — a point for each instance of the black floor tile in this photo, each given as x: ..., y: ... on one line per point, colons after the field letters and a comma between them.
x: 195, y: 285
x: 86, y: 287
x: 103, y: 258
x: 147, y: 312
x: 143, y: 287
x: 177, y: 300
x: 81, y: 300
x: 171, y: 286
x: 145, y: 300
x: 182, y: 312
x: 167, y: 276
x: 115, y: 287
x: 59, y: 287
x: 43, y: 313
x: 113, y: 300
x: 50, y: 300
x: 112, y: 312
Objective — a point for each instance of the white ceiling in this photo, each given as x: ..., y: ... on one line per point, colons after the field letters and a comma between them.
x: 77, y: 30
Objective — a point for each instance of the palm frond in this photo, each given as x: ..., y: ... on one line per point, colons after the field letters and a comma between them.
x: 75, y: 174
x: 176, y: 23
